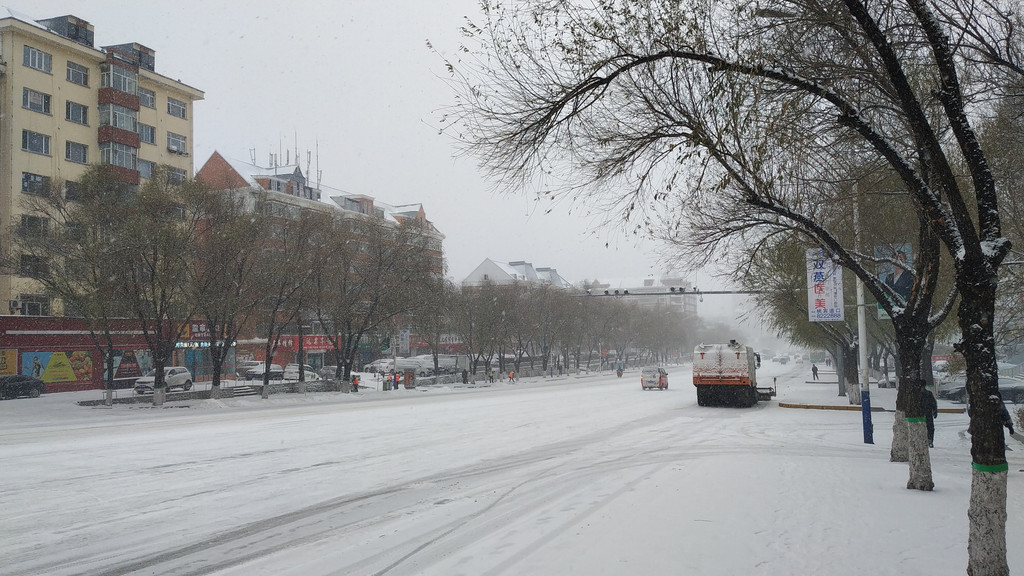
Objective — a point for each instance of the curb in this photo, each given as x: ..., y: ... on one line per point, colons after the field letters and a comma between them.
x: 851, y: 408
x: 855, y: 408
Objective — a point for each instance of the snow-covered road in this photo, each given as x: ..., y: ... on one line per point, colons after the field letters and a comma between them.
x: 568, y: 476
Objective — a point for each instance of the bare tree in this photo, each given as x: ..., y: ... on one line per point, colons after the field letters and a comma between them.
x: 73, y: 230
x: 156, y: 234
x: 372, y: 274
x: 228, y: 246
x: 284, y: 269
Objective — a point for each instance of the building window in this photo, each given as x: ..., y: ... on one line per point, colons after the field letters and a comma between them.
x: 176, y: 143
x: 78, y: 74
x: 34, y: 305
x: 146, y: 168
x: 34, y: 183
x: 35, y: 142
x: 147, y: 98
x: 175, y: 107
x: 77, y: 113
x: 147, y: 133
x: 33, y: 266
x: 118, y: 155
x: 71, y: 190
x: 35, y: 101
x: 175, y: 175
x: 37, y: 59
x: 76, y: 152
x: 33, y: 226
x: 119, y: 117
x: 119, y: 78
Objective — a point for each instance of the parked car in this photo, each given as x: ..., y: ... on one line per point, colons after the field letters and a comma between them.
x: 382, y: 365
x: 327, y: 372
x: 1011, y: 389
x: 246, y: 365
x: 654, y: 377
x: 256, y: 372
x: 174, y: 377
x: 291, y: 372
x: 18, y: 385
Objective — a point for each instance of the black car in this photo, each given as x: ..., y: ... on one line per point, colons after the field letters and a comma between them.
x: 20, y: 385
x: 1011, y: 389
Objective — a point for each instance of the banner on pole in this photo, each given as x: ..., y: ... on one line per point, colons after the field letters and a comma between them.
x: 824, y: 287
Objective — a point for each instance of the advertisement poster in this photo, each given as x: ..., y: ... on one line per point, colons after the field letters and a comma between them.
x: 8, y: 362
x: 824, y: 287
x: 131, y: 364
x: 126, y: 365
x: 899, y: 278
x: 58, y: 366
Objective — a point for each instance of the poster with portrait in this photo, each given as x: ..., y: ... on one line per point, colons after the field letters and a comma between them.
x: 895, y: 268
x: 58, y: 366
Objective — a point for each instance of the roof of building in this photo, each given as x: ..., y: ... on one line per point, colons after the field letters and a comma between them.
x: 517, y: 271
x: 242, y: 174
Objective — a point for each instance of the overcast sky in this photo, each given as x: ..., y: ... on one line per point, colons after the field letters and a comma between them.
x: 356, y: 79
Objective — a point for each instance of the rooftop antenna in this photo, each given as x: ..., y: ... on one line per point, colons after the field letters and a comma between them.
x: 319, y: 172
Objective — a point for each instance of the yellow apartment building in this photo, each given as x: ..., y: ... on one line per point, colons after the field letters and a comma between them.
x: 66, y: 104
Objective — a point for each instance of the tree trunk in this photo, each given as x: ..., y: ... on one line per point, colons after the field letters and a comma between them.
x: 159, y: 384
x: 920, y: 459
x: 108, y: 357
x: 900, y: 451
x: 839, y: 370
x: 850, y: 376
x: 910, y: 346
x: 986, y: 544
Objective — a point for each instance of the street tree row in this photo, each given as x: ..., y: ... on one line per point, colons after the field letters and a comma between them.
x: 167, y: 253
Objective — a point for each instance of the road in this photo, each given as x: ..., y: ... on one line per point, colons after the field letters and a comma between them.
x: 441, y: 481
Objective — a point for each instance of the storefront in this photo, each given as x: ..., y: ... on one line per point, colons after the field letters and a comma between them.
x: 193, y: 352
x: 63, y: 354
x: 314, y: 348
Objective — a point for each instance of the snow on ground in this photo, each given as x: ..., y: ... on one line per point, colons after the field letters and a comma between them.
x: 574, y: 475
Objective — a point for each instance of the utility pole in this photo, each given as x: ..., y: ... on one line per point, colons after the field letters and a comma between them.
x: 862, y: 333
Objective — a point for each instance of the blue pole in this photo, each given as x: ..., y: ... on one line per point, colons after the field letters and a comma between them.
x: 865, y: 410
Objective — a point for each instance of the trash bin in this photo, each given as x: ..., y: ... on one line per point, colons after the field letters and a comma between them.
x: 410, y: 379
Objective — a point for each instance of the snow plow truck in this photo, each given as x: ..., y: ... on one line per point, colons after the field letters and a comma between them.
x: 726, y: 375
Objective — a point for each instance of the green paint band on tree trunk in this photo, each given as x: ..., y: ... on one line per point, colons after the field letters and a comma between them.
x: 917, y: 419
x: 990, y: 467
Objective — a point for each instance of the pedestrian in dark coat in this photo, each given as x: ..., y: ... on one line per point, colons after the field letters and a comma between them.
x: 931, y: 410
x: 814, y: 371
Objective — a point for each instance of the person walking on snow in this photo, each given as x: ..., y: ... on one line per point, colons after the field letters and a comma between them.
x: 931, y: 410
x: 814, y: 371
x: 511, y: 375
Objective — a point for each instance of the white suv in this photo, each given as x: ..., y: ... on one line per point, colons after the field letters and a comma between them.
x: 174, y: 377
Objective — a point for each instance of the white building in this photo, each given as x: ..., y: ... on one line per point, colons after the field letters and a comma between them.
x: 492, y: 272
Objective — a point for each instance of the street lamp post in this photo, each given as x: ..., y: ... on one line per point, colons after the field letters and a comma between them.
x: 862, y: 334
